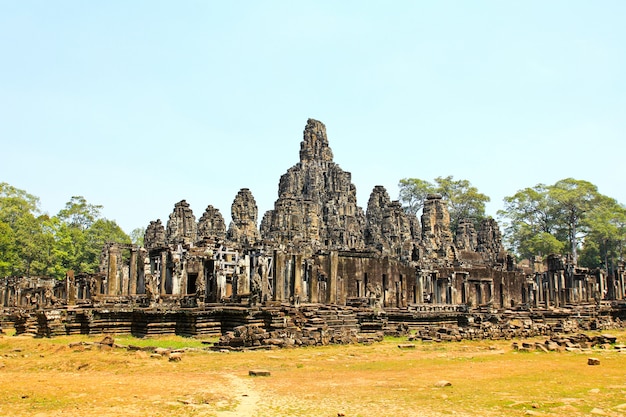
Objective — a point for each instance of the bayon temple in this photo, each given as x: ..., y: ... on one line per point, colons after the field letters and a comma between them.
x: 316, y: 251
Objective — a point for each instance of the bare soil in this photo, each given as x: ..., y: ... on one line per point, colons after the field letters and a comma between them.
x: 47, y: 377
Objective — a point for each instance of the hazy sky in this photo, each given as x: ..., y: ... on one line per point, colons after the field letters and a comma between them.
x: 136, y: 105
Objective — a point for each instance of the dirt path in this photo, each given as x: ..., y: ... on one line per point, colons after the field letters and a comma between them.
x: 243, y: 390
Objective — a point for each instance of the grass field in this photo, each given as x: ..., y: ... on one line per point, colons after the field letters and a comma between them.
x: 47, y: 377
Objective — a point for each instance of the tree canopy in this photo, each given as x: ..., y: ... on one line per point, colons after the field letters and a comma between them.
x: 464, y: 200
x: 568, y: 217
x: 34, y: 244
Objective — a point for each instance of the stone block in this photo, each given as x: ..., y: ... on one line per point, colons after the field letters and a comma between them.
x: 259, y: 372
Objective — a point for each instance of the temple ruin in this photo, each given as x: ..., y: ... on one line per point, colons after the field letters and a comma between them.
x: 315, y: 250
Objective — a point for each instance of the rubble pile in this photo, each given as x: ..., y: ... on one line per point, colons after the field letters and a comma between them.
x: 513, y: 326
x: 251, y: 337
x: 288, y: 326
x: 572, y: 343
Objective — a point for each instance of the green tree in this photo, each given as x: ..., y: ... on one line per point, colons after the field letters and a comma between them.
x: 557, y: 218
x: 573, y: 201
x: 606, y: 234
x: 413, y: 192
x: 529, y: 222
x: 23, y: 232
x: 27, y: 201
x: 137, y: 235
x: 9, y: 256
x: 102, y: 231
x: 36, y: 244
x: 541, y: 243
x: 79, y: 213
x: 464, y: 200
x: 46, y: 263
x: 69, y: 248
x: 81, y: 235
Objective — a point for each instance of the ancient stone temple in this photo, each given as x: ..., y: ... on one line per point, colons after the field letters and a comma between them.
x: 318, y: 246
x: 315, y: 248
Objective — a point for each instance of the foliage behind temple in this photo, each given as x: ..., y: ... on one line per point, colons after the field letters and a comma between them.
x: 33, y: 243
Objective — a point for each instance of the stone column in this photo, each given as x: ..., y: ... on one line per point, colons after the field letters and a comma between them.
x: 602, y: 284
x: 112, y: 279
x: 420, y: 287
x: 547, y: 288
x: 297, y: 270
x: 133, y: 272
x: 539, y: 285
x: 163, y: 272
x: 438, y: 291
x: 243, y: 283
x: 280, y: 271
x: 70, y: 288
x: 314, y: 283
x: 332, y: 277
x: 452, y: 288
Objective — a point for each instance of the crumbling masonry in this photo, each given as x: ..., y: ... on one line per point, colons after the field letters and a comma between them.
x: 317, y: 247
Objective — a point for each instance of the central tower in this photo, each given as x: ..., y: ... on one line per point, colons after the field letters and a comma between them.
x: 316, y: 203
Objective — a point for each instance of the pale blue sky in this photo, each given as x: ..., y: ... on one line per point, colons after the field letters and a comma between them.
x: 138, y: 104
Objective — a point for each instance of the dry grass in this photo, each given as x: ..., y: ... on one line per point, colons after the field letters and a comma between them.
x: 45, y: 377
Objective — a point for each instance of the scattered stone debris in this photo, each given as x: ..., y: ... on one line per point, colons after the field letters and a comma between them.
x: 162, y: 351
x: 107, y: 341
x: 572, y: 343
x: 443, y: 383
x: 259, y: 372
x: 593, y: 361
x: 251, y: 337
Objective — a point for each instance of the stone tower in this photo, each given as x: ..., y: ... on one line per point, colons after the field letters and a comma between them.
x: 154, y: 236
x: 181, y: 227
x: 316, y: 203
x: 388, y: 229
x: 436, y: 234
x: 211, y: 224
x: 489, y: 239
x: 466, y: 239
x: 243, y: 229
